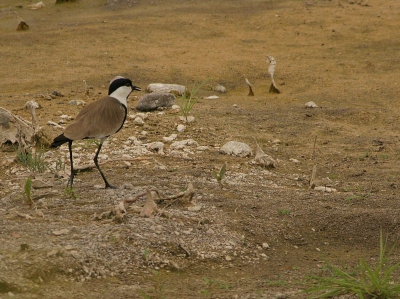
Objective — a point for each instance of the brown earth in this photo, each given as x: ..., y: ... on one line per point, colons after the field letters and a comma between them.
x: 265, y: 233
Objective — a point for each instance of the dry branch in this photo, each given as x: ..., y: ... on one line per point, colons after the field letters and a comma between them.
x: 311, y: 184
x: 251, y: 93
x: 271, y: 70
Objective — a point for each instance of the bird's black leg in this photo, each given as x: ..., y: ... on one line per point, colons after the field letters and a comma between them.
x: 71, y: 177
x: 98, y: 167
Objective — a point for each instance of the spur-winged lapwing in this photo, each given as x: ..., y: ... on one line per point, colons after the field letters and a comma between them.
x: 98, y: 120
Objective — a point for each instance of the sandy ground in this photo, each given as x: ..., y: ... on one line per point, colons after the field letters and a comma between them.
x: 265, y: 232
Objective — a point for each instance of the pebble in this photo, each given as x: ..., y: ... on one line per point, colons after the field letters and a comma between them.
x: 178, y: 145
x: 60, y: 232
x: 180, y: 128
x: 325, y: 189
x: 156, y: 146
x: 170, y: 138
x: 214, y: 97
x: 138, y: 121
x: 311, y: 104
x: 220, y: 88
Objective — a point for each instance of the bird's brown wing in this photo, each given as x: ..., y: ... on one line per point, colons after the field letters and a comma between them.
x: 99, y: 119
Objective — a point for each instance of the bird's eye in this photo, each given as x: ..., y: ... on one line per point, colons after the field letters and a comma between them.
x: 127, y: 84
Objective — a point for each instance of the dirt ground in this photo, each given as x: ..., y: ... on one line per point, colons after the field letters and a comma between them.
x: 265, y: 232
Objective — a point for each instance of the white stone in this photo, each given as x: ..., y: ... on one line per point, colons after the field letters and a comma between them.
x: 236, y: 148
x: 311, y: 104
x: 181, y: 128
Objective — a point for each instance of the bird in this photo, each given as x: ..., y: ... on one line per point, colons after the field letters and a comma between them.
x: 98, y: 120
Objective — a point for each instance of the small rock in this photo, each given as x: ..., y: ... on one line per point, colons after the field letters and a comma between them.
x: 276, y: 141
x: 228, y: 258
x: 178, y: 145
x: 311, y: 104
x: 60, y: 232
x: 202, y: 148
x: 57, y: 93
x: 211, y: 97
x: 156, y: 147
x: 236, y: 148
x: 194, y: 208
x: 265, y: 245
x: 325, y: 189
x: 40, y: 184
x: 220, y: 88
x: 73, y: 103
x: 162, y: 87
x: 171, y: 137
x: 138, y: 121
x: 294, y: 160
x: 180, y: 128
x: 153, y: 101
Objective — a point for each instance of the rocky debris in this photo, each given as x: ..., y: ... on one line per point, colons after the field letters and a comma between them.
x: 214, y: 97
x: 179, y: 145
x: 170, y: 138
x: 220, y: 88
x: 156, y: 146
x: 170, y: 88
x: 236, y: 148
x: 77, y: 103
x: 60, y: 232
x: 262, y: 159
x: 155, y: 100
x: 325, y: 189
x: 188, y: 119
x: 36, y: 6
x: 15, y: 129
x: 180, y: 128
x: 311, y: 104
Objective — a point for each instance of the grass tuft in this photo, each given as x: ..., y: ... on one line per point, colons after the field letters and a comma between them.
x: 188, y: 99
x: 33, y: 161
x: 372, y: 282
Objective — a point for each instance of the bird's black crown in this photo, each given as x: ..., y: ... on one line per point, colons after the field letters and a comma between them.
x: 117, y: 83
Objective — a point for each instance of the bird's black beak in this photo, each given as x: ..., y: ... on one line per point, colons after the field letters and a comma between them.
x: 136, y: 88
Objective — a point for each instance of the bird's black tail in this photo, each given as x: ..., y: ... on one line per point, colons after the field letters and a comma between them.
x: 59, y: 140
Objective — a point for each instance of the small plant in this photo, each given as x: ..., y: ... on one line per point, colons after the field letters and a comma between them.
x: 33, y: 161
x: 69, y: 192
x: 188, y: 99
x: 214, y: 284
x: 366, y: 282
x: 27, y: 190
x: 220, y: 175
x: 158, y: 288
x: 275, y: 283
x: 284, y: 212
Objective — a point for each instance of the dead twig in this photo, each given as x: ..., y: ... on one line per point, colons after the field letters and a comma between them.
x: 271, y: 70
x: 311, y: 184
x: 251, y: 93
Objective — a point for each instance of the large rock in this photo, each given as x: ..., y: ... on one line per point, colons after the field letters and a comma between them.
x: 162, y: 87
x: 236, y: 148
x: 153, y: 101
